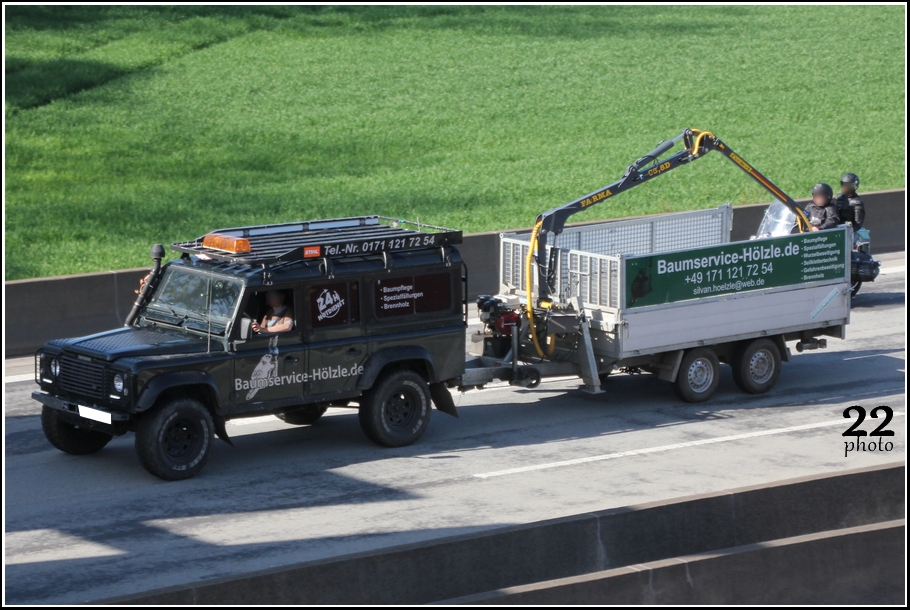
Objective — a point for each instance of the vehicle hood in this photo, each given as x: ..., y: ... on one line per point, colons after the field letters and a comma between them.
x: 132, y: 341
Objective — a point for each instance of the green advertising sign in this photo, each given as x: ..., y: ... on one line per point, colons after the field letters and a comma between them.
x: 655, y: 279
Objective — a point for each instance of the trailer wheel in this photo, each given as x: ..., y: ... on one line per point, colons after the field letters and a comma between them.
x: 174, y: 440
x: 396, y: 411
x: 303, y: 416
x: 69, y: 438
x: 756, y: 366
x: 699, y: 375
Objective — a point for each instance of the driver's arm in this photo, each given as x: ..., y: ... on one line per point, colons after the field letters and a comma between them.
x: 283, y: 326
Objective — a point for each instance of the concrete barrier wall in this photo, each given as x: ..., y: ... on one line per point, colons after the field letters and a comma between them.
x: 77, y: 305
x: 506, y: 557
x: 860, y: 565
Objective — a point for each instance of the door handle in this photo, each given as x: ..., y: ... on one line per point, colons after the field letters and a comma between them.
x: 291, y: 359
x: 354, y: 352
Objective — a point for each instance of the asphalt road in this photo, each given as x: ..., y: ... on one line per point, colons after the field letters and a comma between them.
x: 85, y: 528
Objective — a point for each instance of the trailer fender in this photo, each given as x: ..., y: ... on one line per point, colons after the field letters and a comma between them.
x: 782, y: 346
x: 669, y: 365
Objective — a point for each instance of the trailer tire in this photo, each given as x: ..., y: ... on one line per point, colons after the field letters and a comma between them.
x: 756, y: 366
x: 699, y: 375
x: 303, y: 416
x: 70, y: 438
x: 174, y: 440
x: 396, y: 411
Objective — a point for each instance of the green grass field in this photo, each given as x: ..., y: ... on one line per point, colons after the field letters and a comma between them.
x: 127, y: 126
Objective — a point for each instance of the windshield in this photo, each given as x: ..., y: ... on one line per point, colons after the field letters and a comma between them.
x: 183, y: 294
x: 777, y: 221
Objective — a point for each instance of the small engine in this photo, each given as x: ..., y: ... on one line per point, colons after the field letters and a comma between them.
x: 499, y: 313
x: 500, y: 316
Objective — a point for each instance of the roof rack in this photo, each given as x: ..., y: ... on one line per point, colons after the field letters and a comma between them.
x: 317, y: 239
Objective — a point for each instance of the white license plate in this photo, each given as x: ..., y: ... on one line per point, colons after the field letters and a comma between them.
x: 95, y: 414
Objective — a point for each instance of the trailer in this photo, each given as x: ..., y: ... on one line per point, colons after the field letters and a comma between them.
x: 668, y: 294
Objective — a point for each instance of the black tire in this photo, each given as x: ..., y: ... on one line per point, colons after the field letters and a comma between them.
x: 534, y: 375
x: 304, y: 416
x: 855, y: 289
x: 698, y: 376
x: 756, y: 366
x: 70, y: 438
x: 396, y: 411
x: 174, y: 440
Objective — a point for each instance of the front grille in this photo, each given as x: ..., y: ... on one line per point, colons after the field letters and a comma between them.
x: 83, y: 378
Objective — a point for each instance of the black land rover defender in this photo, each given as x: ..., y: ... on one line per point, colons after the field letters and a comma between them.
x: 376, y: 314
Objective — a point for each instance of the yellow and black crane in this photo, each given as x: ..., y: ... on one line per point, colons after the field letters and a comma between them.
x: 697, y: 144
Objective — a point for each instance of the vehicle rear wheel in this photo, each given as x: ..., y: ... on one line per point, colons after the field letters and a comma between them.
x: 174, y: 440
x: 303, y: 416
x: 756, y: 366
x: 396, y: 411
x: 71, y: 438
x: 699, y: 375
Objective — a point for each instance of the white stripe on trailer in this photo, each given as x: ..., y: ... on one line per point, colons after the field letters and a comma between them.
x: 823, y: 304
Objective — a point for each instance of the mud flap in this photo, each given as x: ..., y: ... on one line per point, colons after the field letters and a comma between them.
x: 221, y: 432
x: 442, y: 398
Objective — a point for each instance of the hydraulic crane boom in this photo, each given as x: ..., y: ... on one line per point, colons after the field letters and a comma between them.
x: 697, y: 144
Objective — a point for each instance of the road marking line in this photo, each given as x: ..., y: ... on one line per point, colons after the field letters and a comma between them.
x: 896, y: 354
x: 887, y: 270
x: 621, y: 454
x: 15, y: 378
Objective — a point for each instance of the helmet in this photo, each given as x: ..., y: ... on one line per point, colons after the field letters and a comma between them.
x: 823, y: 189
x: 851, y: 179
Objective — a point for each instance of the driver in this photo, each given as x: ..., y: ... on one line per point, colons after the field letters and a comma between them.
x: 822, y: 212
x: 277, y: 319
x: 850, y: 206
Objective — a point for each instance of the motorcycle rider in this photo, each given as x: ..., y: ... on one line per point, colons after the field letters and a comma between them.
x: 850, y: 206
x: 822, y: 212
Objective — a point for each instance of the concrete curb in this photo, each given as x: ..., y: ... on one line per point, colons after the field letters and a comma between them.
x: 458, y: 566
x: 858, y: 565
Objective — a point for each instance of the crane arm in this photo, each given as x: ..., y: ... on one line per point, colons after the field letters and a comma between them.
x: 697, y: 144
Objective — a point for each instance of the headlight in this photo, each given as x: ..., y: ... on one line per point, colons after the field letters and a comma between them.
x: 55, y: 367
x: 118, y: 383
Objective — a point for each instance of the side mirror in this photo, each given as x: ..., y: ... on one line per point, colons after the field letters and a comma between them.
x: 246, y: 328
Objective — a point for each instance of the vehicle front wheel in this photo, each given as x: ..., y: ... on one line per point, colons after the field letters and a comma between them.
x: 756, y: 366
x: 396, y: 411
x: 303, y: 416
x: 855, y: 288
x: 699, y: 375
x: 70, y: 438
x: 174, y: 440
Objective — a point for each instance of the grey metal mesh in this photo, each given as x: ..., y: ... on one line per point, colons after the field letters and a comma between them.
x: 588, y: 262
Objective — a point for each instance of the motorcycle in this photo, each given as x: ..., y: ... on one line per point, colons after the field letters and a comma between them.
x: 779, y: 220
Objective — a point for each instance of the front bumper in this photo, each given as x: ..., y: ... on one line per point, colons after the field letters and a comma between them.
x: 84, y: 415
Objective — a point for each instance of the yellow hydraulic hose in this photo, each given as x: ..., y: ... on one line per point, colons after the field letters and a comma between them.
x: 530, y: 304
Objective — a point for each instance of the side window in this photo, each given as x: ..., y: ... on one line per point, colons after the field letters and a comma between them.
x: 270, y: 300
x: 412, y: 294
x: 334, y: 304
